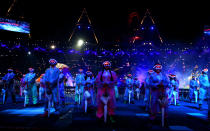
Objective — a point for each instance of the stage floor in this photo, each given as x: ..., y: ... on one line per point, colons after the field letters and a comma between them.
x: 128, y: 117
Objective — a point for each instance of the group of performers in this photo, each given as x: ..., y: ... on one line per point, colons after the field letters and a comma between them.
x: 199, y: 88
x: 160, y: 90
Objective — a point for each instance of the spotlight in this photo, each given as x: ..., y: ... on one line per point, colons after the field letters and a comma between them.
x: 29, y: 53
x: 52, y: 47
x: 152, y: 27
x: 80, y: 43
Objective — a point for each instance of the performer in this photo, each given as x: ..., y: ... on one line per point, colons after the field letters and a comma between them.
x: 22, y: 85
x: 147, y: 97
x: 204, y: 85
x: 8, y: 81
x: 80, y: 81
x: 30, y: 87
x: 158, y: 83
x: 105, y: 80
x: 129, y: 89
x: 89, y: 89
x: 193, y: 93
x: 136, y: 87
x: 61, y: 87
x: 173, y: 93
x: 52, y: 90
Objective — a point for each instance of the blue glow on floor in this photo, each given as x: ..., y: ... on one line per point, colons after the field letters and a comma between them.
x: 142, y: 114
x: 180, y: 128
x: 27, y: 111
x: 196, y: 114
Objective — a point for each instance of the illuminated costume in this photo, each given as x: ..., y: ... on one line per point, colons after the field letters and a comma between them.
x: 158, y: 83
x: 30, y: 87
x: 80, y: 82
x: 204, y: 86
x: 8, y: 81
x: 136, y: 87
x: 193, y: 93
x: 61, y: 87
x: 106, y: 81
x: 173, y: 90
x: 147, y: 97
x: 88, y: 97
x: 129, y: 91
x: 52, y: 90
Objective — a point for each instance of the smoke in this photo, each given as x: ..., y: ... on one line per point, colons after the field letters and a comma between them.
x: 141, y: 73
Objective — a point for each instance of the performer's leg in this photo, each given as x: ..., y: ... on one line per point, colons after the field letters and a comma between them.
x: 100, y: 105
x: 34, y: 94
x: 62, y: 96
x: 55, y: 98
x: 154, y: 103
x: 6, y: 93
x: 201, y: 97
x: 29, y: 92
x: 126, y: 95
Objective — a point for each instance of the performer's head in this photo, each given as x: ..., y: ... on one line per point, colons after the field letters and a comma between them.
x: 31, y: 70
x: 10, y: 70
x: 129, y: 75
x: 150, y: 71
x: 106, y: 65
x: 80, y: 70
x: 205, y: 71
x: 52, y: 62
x: 172, y: 77
x: 193, y: 77
x: 61, y: 70
x: 89, y: 73
x: 157, y: 68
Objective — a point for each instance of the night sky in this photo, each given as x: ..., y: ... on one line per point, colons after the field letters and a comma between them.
x: 55, y: 20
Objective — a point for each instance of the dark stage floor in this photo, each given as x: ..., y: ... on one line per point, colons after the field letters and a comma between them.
x: 128, y: 117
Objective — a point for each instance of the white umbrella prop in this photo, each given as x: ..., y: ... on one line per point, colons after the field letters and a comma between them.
x: 137, y: 93
x: 105, y: 101
x: 129, y: 99
x: 25, y: 97
x: 163, y: 102
x: 4, y: 95
x: 79, y: 93
x: 87, y: 95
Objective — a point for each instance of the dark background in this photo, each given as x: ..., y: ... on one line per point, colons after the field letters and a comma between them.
x: 54, y: 20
